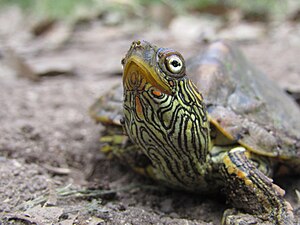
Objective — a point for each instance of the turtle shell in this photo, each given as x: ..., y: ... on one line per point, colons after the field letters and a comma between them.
x: 244, y: 104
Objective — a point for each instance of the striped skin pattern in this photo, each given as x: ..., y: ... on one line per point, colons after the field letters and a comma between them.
x: 166, y: 117
x: 172, y: 129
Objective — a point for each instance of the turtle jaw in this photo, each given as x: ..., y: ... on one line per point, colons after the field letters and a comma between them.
x: 139, y: 75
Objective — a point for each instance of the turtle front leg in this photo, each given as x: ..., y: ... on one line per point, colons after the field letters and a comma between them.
x: 257, y: 199
x: 115, y: 144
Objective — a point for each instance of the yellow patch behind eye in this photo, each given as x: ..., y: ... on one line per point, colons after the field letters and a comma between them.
x: 156, y: 93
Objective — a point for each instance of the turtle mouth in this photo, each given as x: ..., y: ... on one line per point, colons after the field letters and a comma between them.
x: 138, y: 75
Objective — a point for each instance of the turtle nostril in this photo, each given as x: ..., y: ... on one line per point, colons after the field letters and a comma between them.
x: 123, y: 61
x: 136, y: 43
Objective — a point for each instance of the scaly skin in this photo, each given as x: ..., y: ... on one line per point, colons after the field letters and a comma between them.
x: 165, y: 116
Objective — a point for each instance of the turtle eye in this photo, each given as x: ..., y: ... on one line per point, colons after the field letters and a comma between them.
x: 171, y: 62
x: 174, y: 64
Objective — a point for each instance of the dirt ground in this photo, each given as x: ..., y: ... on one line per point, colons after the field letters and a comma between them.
x: 49, y: 150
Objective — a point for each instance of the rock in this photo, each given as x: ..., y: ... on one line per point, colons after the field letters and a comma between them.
x: 113, y: 18
x: 51, y: 67
x: 18, y: 64
x: 244, y: 32
x: 45, y: 214
x: 33, y: 69
x: 41, y: 27
x: 166, y: 205
x: 195, y: 28
x: 55, y: 37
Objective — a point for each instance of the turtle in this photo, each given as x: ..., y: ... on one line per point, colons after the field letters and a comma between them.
x: 214, y: 123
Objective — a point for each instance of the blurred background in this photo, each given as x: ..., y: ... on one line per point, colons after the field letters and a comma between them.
x: 58, y: 56
x: 105, y: 28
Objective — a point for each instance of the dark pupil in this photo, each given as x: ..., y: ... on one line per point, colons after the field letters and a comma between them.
x: 175, y: 63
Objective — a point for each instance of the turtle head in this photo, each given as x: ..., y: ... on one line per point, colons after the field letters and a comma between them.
x: 163, y: 110
x: 146, y: 65
x: 160, y: 71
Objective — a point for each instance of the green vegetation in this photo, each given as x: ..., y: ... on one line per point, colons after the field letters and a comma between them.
x: 71, y: 8
x: 51, y: 8
x: 252, y: 5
